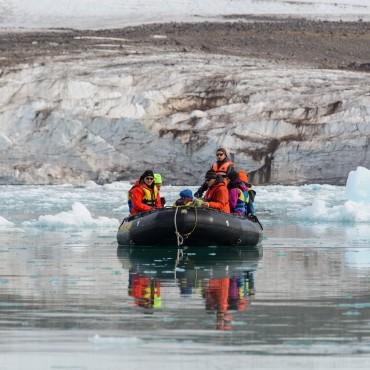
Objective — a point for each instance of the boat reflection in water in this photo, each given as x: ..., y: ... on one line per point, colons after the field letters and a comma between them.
x: 222, y: 276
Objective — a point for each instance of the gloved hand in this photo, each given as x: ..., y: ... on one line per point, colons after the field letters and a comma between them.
x: 201, y: 190
x: 199, y: 203
x: 252, y: 217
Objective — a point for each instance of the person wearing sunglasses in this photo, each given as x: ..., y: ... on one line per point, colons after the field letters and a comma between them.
x: 144, y: 195
x: 221, y: 167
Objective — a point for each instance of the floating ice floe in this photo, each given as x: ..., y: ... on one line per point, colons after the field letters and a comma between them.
x: 4, y: 223
x: 97, y: 339
x: 355, y: 209
x: 78, y: 217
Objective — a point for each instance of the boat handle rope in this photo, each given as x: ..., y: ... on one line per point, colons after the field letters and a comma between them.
x: 181, y: 238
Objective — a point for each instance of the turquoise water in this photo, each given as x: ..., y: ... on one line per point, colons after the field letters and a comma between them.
x: 70, y: 299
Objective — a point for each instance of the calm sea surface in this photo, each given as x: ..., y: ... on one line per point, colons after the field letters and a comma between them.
x: 70, y: 299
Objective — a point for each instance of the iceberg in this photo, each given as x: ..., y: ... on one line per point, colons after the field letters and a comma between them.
x: 358, y: 185
x: 79, y: 217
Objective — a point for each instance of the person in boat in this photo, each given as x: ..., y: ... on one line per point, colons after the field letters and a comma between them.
x: 158, y: 184
x: 186, y: 198
x: 222, y: 167
x: 158, y: 181
x: 238, y: 193
x: 217, y: 195
x: 144, y: 195
x: 249, y: 197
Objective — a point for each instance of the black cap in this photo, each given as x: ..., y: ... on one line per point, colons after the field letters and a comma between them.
x: 146, y: 174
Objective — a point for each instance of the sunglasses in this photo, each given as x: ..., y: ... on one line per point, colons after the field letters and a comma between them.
x: 149, y: 178
x: 220, y: 154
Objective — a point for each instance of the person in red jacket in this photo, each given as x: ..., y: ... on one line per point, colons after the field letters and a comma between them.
x: 144, y: 195
x: 217, y: 195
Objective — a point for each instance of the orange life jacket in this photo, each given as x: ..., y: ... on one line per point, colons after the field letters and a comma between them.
x: 223, y: 169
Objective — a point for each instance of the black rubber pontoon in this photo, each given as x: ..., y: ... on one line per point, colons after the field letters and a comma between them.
x: 188, y: 226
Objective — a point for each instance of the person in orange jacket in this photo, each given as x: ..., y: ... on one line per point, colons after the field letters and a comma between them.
x: 144, y: 195
x: 217, y: 195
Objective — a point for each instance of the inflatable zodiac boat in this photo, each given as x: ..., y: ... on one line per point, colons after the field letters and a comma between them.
x: 188, y: 226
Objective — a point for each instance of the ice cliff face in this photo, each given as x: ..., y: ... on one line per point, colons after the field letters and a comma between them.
x: 106, y: 119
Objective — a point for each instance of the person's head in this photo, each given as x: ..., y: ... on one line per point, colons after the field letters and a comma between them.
x: 221, y: 154
x: 147, y: 178
x: 243, y: 176
x: 186, y: 194
x: 210, y: 178
x: 157, y: 180
x: 233, y: 175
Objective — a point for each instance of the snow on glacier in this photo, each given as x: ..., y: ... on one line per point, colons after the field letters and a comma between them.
x: 118, y: 13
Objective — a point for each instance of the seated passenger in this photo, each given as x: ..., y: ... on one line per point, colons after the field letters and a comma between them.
x: 144, y: 195
x: 249, y: 199
x: 243, y: 176
x: 250, y: 210
x: 158, y: 184
x: 158, y: 181
x: 217, y: 195
x: 186, y: 198
x: 238, y: 193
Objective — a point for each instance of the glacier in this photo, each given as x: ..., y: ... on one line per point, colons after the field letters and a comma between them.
x: 108, y: 113
x: 107, y: 119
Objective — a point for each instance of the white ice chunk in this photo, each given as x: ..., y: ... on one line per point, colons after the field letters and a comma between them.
x: 358, y: 185
x: 78, y: 217
x: 355, y: 209
x: 4, y: 223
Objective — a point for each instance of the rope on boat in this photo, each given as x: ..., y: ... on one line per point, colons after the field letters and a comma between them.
x: 181, y: 238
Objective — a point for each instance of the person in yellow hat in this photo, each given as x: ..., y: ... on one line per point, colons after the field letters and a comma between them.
x: 158, y: 184
x: 158, y: 180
